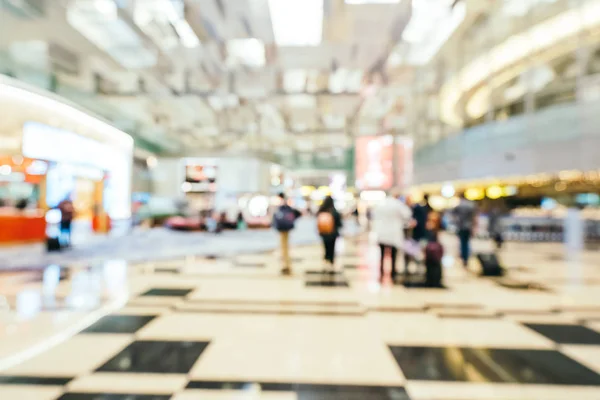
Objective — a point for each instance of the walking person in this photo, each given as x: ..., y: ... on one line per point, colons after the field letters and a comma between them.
x: 329, y: 223
x: 420, y: 214
x: 495, y: 226
x: 67, y: 211
x: 389, y: 220
x: 284, y: 221
x: 465, y: 215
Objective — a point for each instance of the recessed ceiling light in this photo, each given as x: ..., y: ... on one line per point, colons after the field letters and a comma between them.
x: 297, y: 23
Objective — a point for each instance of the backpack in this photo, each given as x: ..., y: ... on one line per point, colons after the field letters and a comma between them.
x: 325, y: 223
x: 284, y: 219
x: 434, y: 252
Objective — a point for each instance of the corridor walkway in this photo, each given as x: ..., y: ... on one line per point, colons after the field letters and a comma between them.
x: 231, y: 327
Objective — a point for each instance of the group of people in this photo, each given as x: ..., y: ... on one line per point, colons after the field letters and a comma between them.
x: 393, y: 221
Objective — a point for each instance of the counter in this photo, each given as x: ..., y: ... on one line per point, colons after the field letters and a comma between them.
x: 22, y: 227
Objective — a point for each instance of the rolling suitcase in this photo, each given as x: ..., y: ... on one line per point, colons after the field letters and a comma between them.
x: 490, y: 265
x: 52, y: 244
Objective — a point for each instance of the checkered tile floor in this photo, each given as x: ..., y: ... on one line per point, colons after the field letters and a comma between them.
x: 233, y: 328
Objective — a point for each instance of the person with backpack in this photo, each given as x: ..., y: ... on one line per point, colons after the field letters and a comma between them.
x: 284, y: 221
x: 329, y: 223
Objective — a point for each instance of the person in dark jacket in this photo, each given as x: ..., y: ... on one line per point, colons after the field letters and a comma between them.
x: 329, y: 239
x: 420, y: 214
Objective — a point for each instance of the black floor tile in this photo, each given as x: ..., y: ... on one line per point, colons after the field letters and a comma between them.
x: 166, y: 270
x: 525, y: 286
x: 341, y: 392
x: 112, y: 396
x: 238, y: 385
x: 34, y: 380
x: 327, y: 283
x: 419, y: 285
x: 454, y: 306
x: 156, y: 357
x: 324, y: 273
x: 567, y: 334
x: 120, y: 324
x: 492, y: 365
x: 170, y: 292
x: 250, y: 264
x: 310, y: 391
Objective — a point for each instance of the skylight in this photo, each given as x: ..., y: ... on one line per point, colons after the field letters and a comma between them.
x: 431, y: 25
x: 297, y: 23
x: 249, y: 52
x: 372, y: 1
x: 99, y: 22
x: 164, y: 21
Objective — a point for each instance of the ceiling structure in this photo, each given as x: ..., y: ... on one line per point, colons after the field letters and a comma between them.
x: 236, y: 75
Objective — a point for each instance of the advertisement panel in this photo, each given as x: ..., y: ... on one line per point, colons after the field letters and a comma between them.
x: 374, y: 162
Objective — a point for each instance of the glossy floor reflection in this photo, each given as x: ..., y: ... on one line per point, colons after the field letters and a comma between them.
x: 120, y: 324
x: 156, y: 357
x: 567, y: 334
x: 492, y: 365
x: 233, y: 328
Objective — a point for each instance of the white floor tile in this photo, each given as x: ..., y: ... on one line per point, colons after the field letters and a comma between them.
x: 14, y: 392
x: 427, y: 330
x: 102, y: 382
x: 480, y: 391
x: 300, y: 349
x: 233, y: 395
x: 76, y: 356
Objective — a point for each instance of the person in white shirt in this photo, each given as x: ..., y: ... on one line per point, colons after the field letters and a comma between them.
x: 389, y: 220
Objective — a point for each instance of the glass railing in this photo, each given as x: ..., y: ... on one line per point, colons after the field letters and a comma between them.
x: 500, y: 25
x: 147, y: 138
x: 559, y: 123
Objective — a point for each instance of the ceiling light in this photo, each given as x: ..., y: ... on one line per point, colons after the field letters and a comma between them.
x: 297, y: 23
x: 186, y: 34
x: 99, y: 22
x: 164, y: 21
x: 294, y: 81
x: 249, y: 52
x: 337, y: 81
x: 372, y: 1
x: 430, y: 26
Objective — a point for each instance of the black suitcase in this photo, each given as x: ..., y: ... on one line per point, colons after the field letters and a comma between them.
x: 490, y: 266
x: 433, y: 274
x: 52, y: 244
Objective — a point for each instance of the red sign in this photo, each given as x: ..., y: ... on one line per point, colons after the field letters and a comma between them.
x: 374, y: 162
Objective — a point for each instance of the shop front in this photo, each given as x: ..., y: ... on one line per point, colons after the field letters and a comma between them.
x: 21, y: 188
x: 84, y: 160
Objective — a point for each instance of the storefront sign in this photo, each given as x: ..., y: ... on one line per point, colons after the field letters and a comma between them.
x: 374, y: 162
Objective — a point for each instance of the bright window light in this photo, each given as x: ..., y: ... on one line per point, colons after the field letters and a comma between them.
x: 337, y: 81
x: 430, y: 27
x: 249, y: 52
x: 294, y: 81
x: 297, y: 23
x: 372, y: 1
x: 157, y: 17
x: 186, y: 34
x: 98, y: 21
